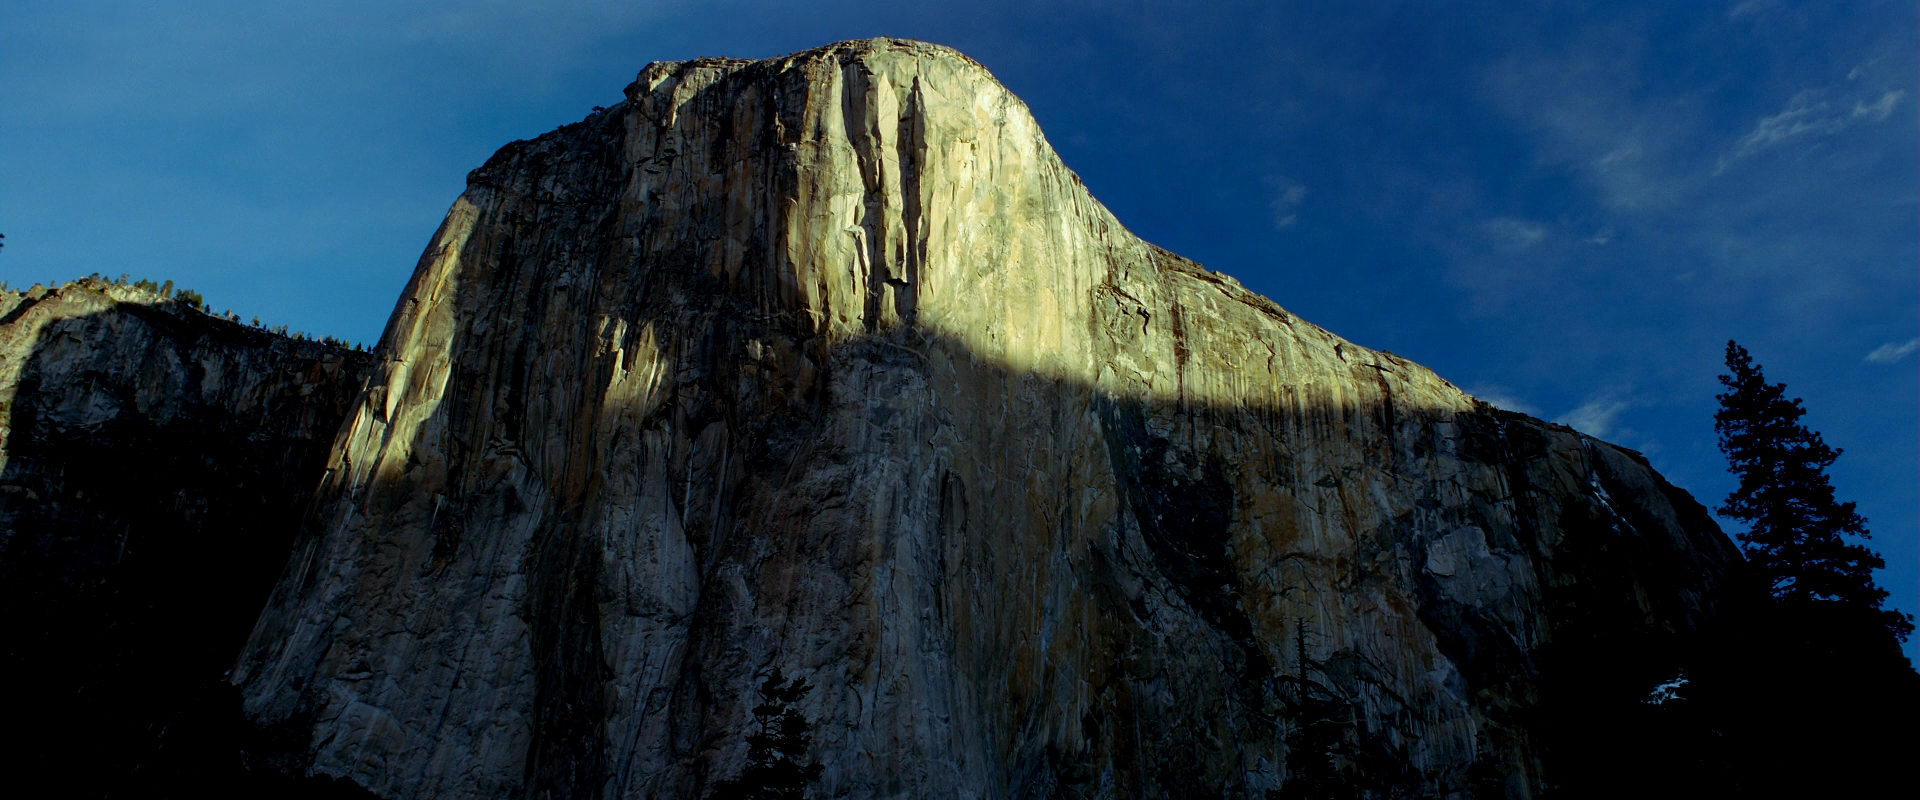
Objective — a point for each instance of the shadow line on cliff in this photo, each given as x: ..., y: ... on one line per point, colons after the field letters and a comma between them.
x: 1177, y: 481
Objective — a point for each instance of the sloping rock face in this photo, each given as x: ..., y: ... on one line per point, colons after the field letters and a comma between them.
x: 826, y: 364
x: 155, y: 462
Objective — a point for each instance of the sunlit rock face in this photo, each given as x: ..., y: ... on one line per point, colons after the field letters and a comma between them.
x: 827, y: 363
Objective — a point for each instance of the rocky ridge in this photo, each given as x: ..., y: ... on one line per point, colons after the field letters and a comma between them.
x: 826, y: 363
x: 155, y: 461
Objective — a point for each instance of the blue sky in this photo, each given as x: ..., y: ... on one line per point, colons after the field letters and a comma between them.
x: 1566, y: 208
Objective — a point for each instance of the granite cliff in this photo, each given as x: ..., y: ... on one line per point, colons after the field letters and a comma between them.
x: 826, y: 364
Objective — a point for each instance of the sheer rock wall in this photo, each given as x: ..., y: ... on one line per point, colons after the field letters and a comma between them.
x: 827, y: 363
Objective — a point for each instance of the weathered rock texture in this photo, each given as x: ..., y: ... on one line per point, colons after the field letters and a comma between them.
x: 827, y: 363
x: 155, y: 462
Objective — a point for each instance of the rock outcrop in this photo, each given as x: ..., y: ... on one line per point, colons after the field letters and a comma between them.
x: 155, y: 462
x: 825, y: 364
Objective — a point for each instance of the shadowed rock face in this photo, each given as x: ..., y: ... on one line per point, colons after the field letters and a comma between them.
x: 827, y: 364
x: 155, y: 463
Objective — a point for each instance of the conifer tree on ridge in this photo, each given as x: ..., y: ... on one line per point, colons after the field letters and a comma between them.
x: 1798, y: 533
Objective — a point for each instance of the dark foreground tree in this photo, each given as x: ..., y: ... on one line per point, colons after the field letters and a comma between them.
x: 1804, y: 543
x: 774, y: 751
x: 1801, y: 690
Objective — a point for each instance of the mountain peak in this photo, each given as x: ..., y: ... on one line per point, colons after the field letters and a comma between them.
x: 810, y: 411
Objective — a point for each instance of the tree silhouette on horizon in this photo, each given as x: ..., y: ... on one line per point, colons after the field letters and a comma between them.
x: 1802, y: 541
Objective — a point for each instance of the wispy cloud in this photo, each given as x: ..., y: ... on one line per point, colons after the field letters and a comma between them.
x: 1881, y: 108
x: 1893, y: 351
x: 1751, y: 8
x: 1672, y: 173
x: 1596, y: 416
x: 1578, y: 102
x: 1287, y: 197
x: 1504, y: 259
x: 1513, y: 234
x: 1502, y: 398
x: 1807, y: 115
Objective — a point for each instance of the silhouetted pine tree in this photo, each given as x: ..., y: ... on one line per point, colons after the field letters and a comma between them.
x: 773, y: 753
x: 1798, y: 533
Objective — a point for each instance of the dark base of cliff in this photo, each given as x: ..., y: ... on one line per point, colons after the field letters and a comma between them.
x: 178, y: 741
x: 1782, y: 702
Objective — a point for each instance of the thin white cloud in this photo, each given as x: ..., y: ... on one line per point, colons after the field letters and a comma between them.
x: 1619, y: 156
x: 1500, y: 397
x: 1804, y: 115
x: 1893, y: 351
x: 1751, y: 8
x: 1807, y: 115
x: 1578, y: 103
x: 1596, y: 416
x: 1513, y: 234
x: 1880, y: 109
x: 1288, y: 195
x: 1505, y: 259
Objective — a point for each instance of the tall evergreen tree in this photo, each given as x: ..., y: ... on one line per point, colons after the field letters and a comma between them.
x: 774, y: 771
x: 1800, y: 538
